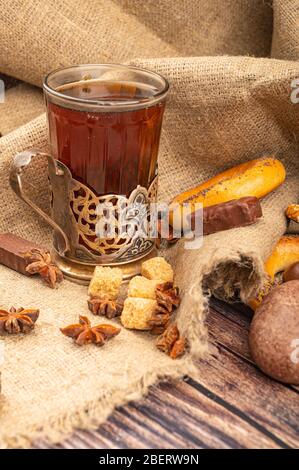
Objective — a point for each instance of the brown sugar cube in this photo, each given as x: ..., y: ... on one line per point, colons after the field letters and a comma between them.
x: 137, y: 312
x: 105, y: 282
x: 140, y: 286
x: 157, y: 268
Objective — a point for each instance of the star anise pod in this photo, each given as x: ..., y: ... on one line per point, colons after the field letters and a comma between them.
x: 166, y: 341
x: 158, y: 322
x: 157, y: 330
x: 84, y: 333
x: 18, y: 320
x: 40, y: 262
x: 105, y: 307
x: 171, y: 343
x: 178, y: 349
x: 167, y: 296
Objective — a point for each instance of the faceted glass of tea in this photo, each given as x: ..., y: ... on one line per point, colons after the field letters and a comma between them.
x: 105, y: 124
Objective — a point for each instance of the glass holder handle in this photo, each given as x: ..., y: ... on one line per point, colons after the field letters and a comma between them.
x: 20, y: 163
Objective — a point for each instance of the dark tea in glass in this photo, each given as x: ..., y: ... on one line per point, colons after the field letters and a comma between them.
x: 105, y: 123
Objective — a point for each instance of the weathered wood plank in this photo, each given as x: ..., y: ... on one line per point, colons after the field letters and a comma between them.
x: 253, y: 396
x: 172, y: 417
x: 233, y: 406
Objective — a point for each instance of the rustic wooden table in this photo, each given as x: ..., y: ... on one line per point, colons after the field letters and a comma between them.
x: 233, y: 405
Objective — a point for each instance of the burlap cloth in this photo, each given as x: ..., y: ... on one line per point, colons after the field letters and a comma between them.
x: 222, y: 110
x: 22, y: 103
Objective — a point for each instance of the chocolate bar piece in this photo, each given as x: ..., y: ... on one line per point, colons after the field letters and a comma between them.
x: 227, y: 215
x: 12, y: 250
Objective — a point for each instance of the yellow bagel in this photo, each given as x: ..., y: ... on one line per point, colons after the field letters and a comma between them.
x: 284, y: 255
x: 254, y: 178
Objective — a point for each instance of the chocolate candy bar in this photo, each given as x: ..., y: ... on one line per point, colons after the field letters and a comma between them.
x: 12, y: 250
x: 227, y: 215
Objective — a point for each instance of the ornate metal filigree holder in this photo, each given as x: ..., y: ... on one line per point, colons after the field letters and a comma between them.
x: 76, y: 220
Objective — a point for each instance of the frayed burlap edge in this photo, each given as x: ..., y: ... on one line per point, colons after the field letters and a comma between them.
x: 93, y: 414
x: 238, y: 277
x: 96, y: 412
